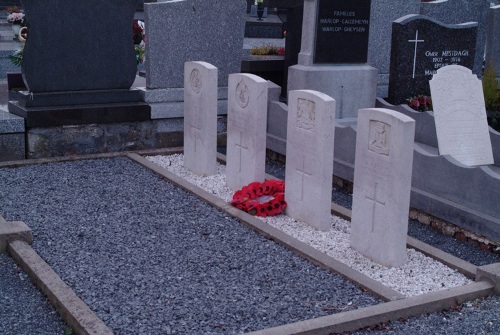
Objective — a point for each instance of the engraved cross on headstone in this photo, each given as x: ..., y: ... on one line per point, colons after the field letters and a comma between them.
x: 375, y: 201
x: 196, y: 129
x: 303, y: 174
x: 241, y: 147
x: 416, y: 41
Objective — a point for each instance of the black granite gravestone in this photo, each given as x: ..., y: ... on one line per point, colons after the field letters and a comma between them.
x: 342, y: 31
x: 422, y: 45
x: 79, y: 63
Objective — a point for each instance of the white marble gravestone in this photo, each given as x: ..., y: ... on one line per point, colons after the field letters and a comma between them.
x: 460, y: 114
x: 246, y: 130
x: 309, y: 157
x: 200, y: 118
x: 382, y: 185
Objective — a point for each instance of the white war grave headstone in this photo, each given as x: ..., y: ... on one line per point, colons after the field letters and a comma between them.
x: 246, y: 130
x: 309, y: 157
x: 382, y: 185
x: 460, y: 115
x: 200, y: 118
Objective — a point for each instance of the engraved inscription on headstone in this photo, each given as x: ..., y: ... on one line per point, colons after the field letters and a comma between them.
x: 382, y: 184
x: 246, y: 130
x: 241, y: 94
x: 309, y: 157
x: 422, y: 45
x: 342, y: 31
x: 460, y: 115
x: 195, y: 80
x: 200, y: 117
x: 306, y: 117
x: 379, y: 137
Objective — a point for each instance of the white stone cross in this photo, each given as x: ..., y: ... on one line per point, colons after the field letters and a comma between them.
x: 303, y: 173
x: 197, y: 134
x: 241, y: 147
x: 416, y: 41
x: 374, y: 202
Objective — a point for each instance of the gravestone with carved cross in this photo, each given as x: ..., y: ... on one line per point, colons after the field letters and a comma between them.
x: 422, y: 45
x: 246, y: 130
x: 382, y: 183
x: 200, y: 117
x: 309, y: 157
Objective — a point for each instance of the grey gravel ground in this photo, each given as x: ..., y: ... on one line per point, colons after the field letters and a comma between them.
x: 149, y: 258
x: 23, y: 309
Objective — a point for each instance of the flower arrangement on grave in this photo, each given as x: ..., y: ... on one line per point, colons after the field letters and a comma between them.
x: 16, y: 18
x: 420, y: 103
x: 138, y: 31
x: 267, y: 49
x: 259, y: 3
x: 261, y: 199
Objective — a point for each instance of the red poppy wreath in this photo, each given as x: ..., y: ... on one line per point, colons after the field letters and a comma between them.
x: 261, y: 199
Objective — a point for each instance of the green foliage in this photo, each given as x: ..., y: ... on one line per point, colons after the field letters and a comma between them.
x: 17, y: 57
x: 490, y: 89
x: 68, y: 331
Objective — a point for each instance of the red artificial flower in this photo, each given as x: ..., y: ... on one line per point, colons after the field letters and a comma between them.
x: 273, y: 191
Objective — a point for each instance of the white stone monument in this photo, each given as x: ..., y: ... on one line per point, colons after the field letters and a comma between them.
x: 309, y: 157
x: 200, y: 118
x: 382, y: 185
x: 246, y: 130
x: 460, y: 114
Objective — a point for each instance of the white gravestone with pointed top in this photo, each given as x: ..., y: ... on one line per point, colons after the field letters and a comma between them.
x: 309, y: 157
x: 200, y: 118
x: 460, y: 114
x: 382, y: 185
x: 246, y: 130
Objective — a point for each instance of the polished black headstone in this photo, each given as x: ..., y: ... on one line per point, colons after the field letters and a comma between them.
x: 422, y: 45
x: 342, y: 31
x: 79, y: 45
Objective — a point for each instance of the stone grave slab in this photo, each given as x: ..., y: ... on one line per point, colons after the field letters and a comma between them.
x: 382, y: 185
x: 309, y: 157
x: 461, y: 123
x: 422, y: 45
x: 200, y: 117
x: 246, y: 130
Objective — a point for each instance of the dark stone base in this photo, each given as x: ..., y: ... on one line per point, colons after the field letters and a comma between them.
x: 266, y: 67
x: 263, y: 29
x: 29, y: 99
x: 52, y: 116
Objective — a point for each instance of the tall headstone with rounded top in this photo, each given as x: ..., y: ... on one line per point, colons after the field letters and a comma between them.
x: 382, y: 185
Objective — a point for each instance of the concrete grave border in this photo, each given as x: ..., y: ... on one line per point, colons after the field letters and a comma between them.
x: 84, y: 321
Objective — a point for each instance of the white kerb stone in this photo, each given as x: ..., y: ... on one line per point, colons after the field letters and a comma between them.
x: 382, y: 185
x: 200, y: 118
x: 460, y: 114
x: 246, y: 130
x: 309, y: 157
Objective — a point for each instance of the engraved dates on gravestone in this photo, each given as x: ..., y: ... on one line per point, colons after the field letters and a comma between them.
x: 342, y: 31
x: 422, y: 45
x: 461, y: 125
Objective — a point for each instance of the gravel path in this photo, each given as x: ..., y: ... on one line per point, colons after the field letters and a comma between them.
x: 149, y: 258
x: 69, y: 202
x: 23, y: 309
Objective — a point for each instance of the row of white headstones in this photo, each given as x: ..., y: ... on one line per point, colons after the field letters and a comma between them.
x: 383, y: 161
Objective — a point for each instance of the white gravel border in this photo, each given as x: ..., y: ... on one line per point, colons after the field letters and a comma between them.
x: 420, y: 274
